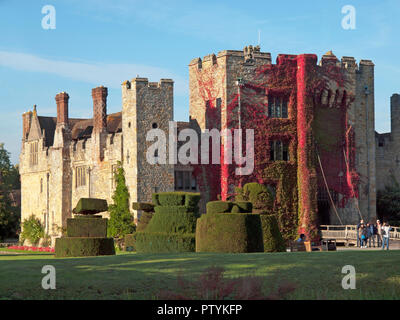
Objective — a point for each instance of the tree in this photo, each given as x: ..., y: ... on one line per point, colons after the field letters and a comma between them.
x: 9, y: 180
x: 388, y: 202
x: 121, y: 220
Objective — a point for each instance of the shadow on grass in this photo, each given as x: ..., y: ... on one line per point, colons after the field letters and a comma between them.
x: 317, y: 275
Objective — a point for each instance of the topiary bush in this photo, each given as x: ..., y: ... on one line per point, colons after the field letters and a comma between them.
x: 172, y: 227
x: 229, y: 232
x: 32, y: 230
x: 272, y: 237
x: 83, y: 247
x: 162, y: 242
x: 261, y: 196
x: 94, y: 226
x: 90, y: 206
x: 173, y: 222
x: 219, y: 206
x: 130, y: 242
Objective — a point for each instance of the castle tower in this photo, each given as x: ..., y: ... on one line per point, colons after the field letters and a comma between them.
x: 213, y: 85
x: 145, y: 106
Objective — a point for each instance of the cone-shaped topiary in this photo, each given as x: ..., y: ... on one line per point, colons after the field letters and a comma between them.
x: 121, y: 220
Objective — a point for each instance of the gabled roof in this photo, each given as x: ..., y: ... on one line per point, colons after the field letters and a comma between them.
x: 80, y: 128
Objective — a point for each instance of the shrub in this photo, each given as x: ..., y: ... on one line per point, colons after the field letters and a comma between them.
x: 229, y: 232
x: 121, y: 220
x: 160, y: 242
x: 272, y: 237
x: 90, y: 206
x: 173, y: 222
x: 219, y: 206
x: 144, y: 220
x: 87, y: 227
x: 130, y: 242
x: 32, y: 230
x: 80, y: 247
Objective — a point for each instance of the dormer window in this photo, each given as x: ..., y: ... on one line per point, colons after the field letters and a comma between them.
x: 277, y: 107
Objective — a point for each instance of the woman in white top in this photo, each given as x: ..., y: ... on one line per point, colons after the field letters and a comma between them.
x: 385, y: 235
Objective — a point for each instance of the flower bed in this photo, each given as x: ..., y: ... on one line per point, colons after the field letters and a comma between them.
x: 31, y: 248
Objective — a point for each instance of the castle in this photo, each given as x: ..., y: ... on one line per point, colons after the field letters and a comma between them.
x: 315, y: 141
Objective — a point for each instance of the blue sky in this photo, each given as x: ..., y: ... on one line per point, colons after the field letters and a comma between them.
x: 100, y: 42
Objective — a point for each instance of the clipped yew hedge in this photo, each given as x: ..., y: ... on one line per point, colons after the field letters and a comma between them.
x: 84, y: 247
x: 168, y: 199
x: 90, y: 206
x: 272, y: 237
x: 83, y: 226
x: 229, y: 233
x: 173, y: 222
x: 228, y: 206
x: 162, y: 242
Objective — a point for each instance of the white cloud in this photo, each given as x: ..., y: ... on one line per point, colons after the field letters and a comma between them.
x: 108, y: 74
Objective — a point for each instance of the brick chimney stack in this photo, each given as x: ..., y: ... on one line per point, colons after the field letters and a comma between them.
x: 99, y: 96
x: 62, y: 108
x: 26, y: 124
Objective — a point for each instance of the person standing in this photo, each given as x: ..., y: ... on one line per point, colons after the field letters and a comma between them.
x: 379, y: 233
x: 358, y: 233
x: 371, y: 234
x: 385, y: 236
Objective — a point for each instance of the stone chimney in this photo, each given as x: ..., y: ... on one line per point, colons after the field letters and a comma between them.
x: 62, y: 108
x: 99, y: 96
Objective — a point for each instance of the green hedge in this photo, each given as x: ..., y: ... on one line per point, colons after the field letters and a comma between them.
x: 272, y: 237
x: 173, y: 222
x: 82, y: 247
x: 242, y: 207
x: 229, y: 232
x: 87, y: 227
x: 161, y: 242
x: 168, y: 199
x: 192, y: 200
x: 130, y: 242
x: 144, y: 220
x: 172, y: 209
x: 219, y: 206
x: 90, y: 206
x: 144, y: 206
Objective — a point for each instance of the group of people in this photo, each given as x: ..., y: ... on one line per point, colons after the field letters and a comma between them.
x: 368, y: 234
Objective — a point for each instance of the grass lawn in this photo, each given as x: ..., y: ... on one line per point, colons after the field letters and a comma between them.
x: 317, y: 275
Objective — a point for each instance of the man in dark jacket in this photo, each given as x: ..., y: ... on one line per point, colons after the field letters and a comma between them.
x: 371, y: 234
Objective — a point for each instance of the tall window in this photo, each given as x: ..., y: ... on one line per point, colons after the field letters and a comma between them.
x: 279, y: 150
x: 80, y: 176
x: 33, y: 153
x: 219, y: 102
x: 277, y: 107
x: 184, y: 180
